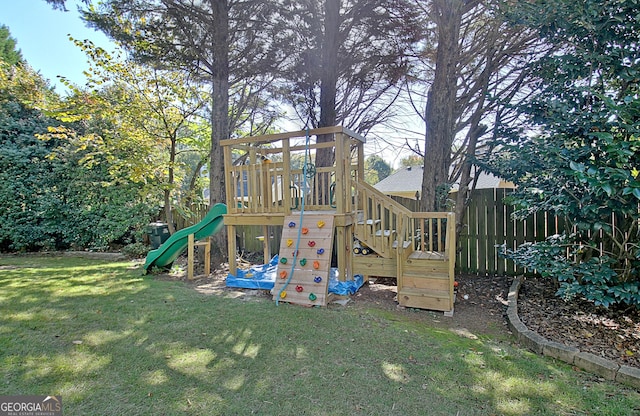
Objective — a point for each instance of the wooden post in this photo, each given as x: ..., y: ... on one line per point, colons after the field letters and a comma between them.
x: 341, y: 181
x: 265, y: 244
x: 231, y: 246
x: 228, y: 178
x: 190, y: 257
x: 287, y: 200
x: 207, y: 257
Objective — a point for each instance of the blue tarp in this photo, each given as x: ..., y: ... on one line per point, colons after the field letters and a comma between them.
x: 264, y: 277
x: 257, y: 277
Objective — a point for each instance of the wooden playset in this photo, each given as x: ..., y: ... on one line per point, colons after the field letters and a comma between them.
x: 272, y: 182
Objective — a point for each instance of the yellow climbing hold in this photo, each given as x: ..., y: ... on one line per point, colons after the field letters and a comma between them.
x: 289, y: 242
x: 320, y: 224
x: 283, y: 294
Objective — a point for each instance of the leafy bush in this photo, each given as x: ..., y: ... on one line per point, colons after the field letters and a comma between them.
x: 580, y: 157
x: 594, y: 279
x: 50, y: 200
x: 135, y: 250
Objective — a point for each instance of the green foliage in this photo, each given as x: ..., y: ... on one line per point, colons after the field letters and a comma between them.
x: 410, y: 161
x: 135, y: 250
x: 375, y: 169
x: 583, y: 163
x: 594, y: 279
x: 147, y: 122
x: 49, y: 199
x: 8, y: 51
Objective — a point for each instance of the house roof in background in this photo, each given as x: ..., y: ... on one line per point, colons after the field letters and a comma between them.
x: 404, y: 182
x: 407, y: 181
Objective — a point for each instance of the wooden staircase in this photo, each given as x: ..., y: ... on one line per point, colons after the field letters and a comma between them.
x: 418, y: 248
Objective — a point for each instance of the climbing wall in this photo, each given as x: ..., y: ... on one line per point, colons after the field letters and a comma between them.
x: 304, y: 278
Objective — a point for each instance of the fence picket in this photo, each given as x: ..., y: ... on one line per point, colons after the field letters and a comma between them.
x: 488, y: 222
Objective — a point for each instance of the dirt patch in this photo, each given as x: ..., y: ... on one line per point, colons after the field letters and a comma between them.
x: 479, y: 310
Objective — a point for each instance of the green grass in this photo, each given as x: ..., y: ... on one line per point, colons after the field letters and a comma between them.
x: 113, y: 342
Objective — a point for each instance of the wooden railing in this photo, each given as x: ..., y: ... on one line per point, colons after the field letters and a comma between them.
x: 379, y: 220
x: 265, y: 182
x: 432, y: 232
x: 389, y: 228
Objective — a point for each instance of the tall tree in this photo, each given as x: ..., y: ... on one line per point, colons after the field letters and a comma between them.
x: 473, y: 64
x: 347, y: 61
x: 376, y: 169
x: 49, y: 199
x: 201, y: 37
x: 8, y: 52
x: 151, y: 108
x: 441, y: 105
x: 580, y: 156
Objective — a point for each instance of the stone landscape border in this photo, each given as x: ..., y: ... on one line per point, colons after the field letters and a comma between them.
x: 586, y: 361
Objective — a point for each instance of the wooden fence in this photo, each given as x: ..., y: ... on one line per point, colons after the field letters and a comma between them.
x: 488, y: 223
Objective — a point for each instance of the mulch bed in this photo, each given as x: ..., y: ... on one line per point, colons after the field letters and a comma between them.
x: 613, y: 334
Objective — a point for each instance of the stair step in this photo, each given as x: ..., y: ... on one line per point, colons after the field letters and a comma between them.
x: 405, y: 244
x: 369, y: 222
x: 427, y: 255
x: 386, y: 233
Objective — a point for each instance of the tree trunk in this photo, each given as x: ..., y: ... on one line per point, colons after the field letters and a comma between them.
x: 328, y: 86
x: 167, y: 191
x: 440, y: 109
x: 219, y: 117
x: 329, y: 77
x: 476, y: 130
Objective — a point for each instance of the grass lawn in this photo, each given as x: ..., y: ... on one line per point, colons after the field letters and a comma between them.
x: 113, y: 342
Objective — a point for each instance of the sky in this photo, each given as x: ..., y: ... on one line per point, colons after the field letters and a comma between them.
x: 42, y: 36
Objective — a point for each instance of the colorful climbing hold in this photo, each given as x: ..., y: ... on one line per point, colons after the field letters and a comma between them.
x: 320, y: 251
x: 283, y: 294
x: 299, y: 288
x: 311, y: 243
x: 305, y: 230
x: 320, y: 224
x: 312, y: 297
x: 289, y: 242
x: 317, y: 279
x: 292, y: 224
x: 283, y: 274
x: 294, y: 253
x: 303, y: 262
x: 316, y: 264
x: 283, y: 260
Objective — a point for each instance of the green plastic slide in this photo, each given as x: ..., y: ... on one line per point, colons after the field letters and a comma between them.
x: 169, y: 251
